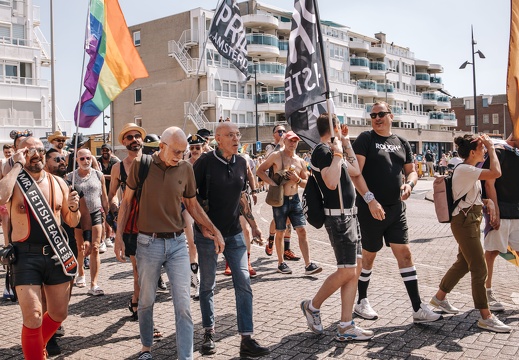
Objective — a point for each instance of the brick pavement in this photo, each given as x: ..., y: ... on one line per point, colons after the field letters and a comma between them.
x: 101, y: 327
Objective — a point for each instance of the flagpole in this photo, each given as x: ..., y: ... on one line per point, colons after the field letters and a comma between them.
x: 80, y: 91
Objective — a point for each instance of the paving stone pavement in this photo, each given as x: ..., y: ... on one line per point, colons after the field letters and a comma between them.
x: 101, y: 328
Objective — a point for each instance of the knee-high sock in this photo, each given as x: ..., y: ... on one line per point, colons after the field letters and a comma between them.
x: 365, y: 276
x: 48, y: 328
x: 32, y: 343
x: 411, y: 284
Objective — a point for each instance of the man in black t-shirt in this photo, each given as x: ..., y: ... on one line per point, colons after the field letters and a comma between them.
x: 329, y: 168
x: 504, y: 230
x: 429, y: 161
x: 382, y: 157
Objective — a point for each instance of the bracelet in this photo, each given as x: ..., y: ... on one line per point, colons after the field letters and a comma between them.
x: 299, y: 181
x: 74, y: 211
x: 411, y: 184
x: 254, y: 191
x: 18, y: 162
x: 338, y: 155
x: 368, y: 197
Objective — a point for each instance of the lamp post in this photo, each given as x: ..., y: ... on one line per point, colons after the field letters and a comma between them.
x: 104, y: 124
x: 256, y: 99
x: 473, y: 63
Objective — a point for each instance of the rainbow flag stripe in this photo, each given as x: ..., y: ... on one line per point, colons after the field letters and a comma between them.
x: 114, y: 62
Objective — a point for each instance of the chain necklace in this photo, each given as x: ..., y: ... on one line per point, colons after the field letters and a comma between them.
x: 42, y: 178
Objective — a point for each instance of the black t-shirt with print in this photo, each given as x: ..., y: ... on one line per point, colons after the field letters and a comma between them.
x: 385, y: 160
x: 322, y: 157
x: 226, y: 181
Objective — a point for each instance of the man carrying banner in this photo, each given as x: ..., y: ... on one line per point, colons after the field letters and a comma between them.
x: 36, y: 265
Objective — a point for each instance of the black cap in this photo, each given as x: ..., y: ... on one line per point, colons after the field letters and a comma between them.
x: 204, y: 133
x: 106, y: 146
x: 196, y: 139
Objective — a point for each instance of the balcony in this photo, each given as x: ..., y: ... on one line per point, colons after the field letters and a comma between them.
x: 430, y: 98
x: 271, y: 101
x: 359, y: 65
x: 377, y: 69
x: 423, y: 79
x: 436, y: 83
x: 442, y: 118
x: 283, y: 49
x: 262, y: 45
x: 435, y: 68
x: 366, y: 88
x: 285, y: 25
x: 377, y: 50
x: 444, y: 102
x: 260, y: 21
x: 386, y: 91
x: 421, y: 64
x: 270, y: 73
x: 358, y: 45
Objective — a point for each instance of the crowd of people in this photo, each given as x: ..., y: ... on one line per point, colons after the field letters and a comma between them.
x: 176, y: 202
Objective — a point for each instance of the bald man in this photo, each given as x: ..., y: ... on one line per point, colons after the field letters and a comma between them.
x: 161, y: 240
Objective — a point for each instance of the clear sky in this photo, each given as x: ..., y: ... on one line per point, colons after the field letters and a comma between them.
x: 437, y: 31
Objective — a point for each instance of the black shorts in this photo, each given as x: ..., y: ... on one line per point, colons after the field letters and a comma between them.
x: 97, y: 217
x: 393, y: 229
x: 344, y: 236
x: 130, y: 244
x: 38, y: 269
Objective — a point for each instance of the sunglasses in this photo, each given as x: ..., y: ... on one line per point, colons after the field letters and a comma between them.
x: 83, y: 158
x: 380, y: 114
x: 59, y: 159
x: 130, y: 137
x: 59, y: 140
x: 281, y: 132
x: 33, y: 151
x: 197, y: 147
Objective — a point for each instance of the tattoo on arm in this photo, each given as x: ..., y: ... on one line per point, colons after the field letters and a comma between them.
x: 351, y: 159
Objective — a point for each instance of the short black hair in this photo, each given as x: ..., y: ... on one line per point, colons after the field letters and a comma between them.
x: 323, y: 123
x: 50, y: 151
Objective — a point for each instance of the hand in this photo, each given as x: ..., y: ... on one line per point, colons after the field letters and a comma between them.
x: 219, y: 243
x: 494, y: 218
x: 292, y: 176
x: 406, y: 191
x: 119, y: 248
x: 19, y: 156
x: 87, y: 248
x: 485, y: 139
x: 336, y: 146
x: 377, y: 211
x: 254, y: 198
x: 73, y: 201
x: 344, y: 131
x: 256, y: 233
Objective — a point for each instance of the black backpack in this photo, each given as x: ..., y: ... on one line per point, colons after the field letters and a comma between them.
x: 312, y: 202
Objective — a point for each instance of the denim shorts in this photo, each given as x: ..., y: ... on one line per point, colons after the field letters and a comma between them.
x: 344, y: 234
x: 291, y: 209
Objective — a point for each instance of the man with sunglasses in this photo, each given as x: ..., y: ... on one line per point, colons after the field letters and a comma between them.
x: 57, y: 141
x: 278, y: 133
x: 382, y: 157
x: 35, y: 266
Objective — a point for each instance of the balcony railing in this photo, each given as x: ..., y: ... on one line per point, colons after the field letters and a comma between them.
x: 367, y: 84
x: 271, y: 97
x: 423, y: 77
x: 14, y: 41
x: 359, y: 61
x: 436, y: 80
x: 385, y: 88
x: 283, y: 45
x: 267, y: 68
x: 23, y: 81
x: 262, y: 39
x: 24, y: 122
x: 443, y: 99
x: 430, y: 96
x: 377, y: 65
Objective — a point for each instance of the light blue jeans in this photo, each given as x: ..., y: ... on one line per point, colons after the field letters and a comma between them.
x: 152, y: 254
x: 236, y: 255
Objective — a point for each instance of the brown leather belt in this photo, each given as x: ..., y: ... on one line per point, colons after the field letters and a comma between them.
x: 163, y: 235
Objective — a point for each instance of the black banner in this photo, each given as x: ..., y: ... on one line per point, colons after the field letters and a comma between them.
x: 45, y: 216
x: 228, y: 35
x: 305, y: 83
x: 304, y: 122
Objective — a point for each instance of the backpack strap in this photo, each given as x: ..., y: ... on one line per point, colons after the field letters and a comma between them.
x: 144, y: 169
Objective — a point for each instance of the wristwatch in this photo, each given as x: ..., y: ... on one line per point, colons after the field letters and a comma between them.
x: 411, y: 184
x: 368, y: 197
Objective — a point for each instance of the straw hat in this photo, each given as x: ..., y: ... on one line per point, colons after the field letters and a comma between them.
x: 57, y: 135
x: 129, y: 127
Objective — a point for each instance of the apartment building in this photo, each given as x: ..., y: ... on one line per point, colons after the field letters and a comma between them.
x: 493, y: 115
x: 193, y: 91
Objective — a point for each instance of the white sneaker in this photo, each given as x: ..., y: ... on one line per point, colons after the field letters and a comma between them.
x: 195, y: 282
x: 443, y: 305
x: 109, y: 243
x: 364, y: 310
x: 493, y: 303
x: 424, y: 315
x: 102, y: 248
x: 313, y: 318
x: 353, y: 332
x: 493, y: 324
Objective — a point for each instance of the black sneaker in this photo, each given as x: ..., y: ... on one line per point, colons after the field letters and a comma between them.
x: 52, y: 347
x: 284, y: 269
x: 145, y: 355
x: 162, y: 284
x: 208, y: 345
x: 250, y: 348
x: 312, y: 269
x: 61, y: 331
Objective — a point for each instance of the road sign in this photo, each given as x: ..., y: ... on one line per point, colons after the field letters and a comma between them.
x: 258, y: 146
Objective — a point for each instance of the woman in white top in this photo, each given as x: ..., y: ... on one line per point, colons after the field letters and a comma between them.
x: 465, y: 226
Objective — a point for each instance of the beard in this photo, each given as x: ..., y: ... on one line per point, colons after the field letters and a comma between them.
x: 60, y: 145
x: 60, y: 171
x: 35, y: 167
x: 134, y: 146
x: 106, y: 156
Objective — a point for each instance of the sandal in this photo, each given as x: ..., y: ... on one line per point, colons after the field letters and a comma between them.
x: 135, y: 313
x: 80, y: 282
x: 96, y: 291
x: 156, y: 333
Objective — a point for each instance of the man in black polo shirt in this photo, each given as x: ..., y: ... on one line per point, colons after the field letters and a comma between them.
x: 220, y: 178
x: 382, y: 157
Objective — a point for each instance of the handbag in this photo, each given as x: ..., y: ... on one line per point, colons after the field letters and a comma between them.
x: 275, y: 196
x: 7, y: 255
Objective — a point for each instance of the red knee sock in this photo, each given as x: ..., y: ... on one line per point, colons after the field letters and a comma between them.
x: 32, y: 343
x: 48, y: 327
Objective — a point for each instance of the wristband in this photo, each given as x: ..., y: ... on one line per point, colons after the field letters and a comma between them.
x: 87, y: 235
x: 254, y: 191
x: 74, y: 211
x: 299, y: 181
x: 411, y: 184
x: 338, y: 155
x: 18, y: 162
x: 368, y: 197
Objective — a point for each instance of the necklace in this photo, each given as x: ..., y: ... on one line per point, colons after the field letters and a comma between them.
x: 42, y: 178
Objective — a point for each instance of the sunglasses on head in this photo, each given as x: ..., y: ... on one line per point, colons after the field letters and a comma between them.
x: 380, y: 114
x: 59, y: 159
x: 195, y: 147
x: 130, y: 137
x: 83, y: 158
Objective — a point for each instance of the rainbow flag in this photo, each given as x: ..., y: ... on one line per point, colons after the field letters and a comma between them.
x: 114, y: 62
x: 512, y: 83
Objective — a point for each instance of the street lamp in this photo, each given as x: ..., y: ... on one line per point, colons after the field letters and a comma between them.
x: 256, y: 99
x: 104, y: 124
x: 473, y: 63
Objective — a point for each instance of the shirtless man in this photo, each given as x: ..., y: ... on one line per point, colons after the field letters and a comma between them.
x: 34, y: 266
x: 295, y: 175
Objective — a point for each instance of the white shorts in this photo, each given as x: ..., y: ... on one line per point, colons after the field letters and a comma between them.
x: 508, y: 234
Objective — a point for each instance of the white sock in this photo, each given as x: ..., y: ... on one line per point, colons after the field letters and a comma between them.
x: 311, y: 307
x: 345, y: 323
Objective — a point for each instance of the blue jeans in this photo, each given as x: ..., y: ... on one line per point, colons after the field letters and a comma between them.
x: 236, y: 255
x: 152, y: 254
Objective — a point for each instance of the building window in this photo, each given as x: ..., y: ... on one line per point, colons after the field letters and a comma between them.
x: 138, y: 96
x: 485, y: 102
x: 495, y: 119
x: 138, y: 120
x: 486, y: 118
x: 469, y: 120
x: 137, y: 38
x: 495, y: 132
x: 468, y: 104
